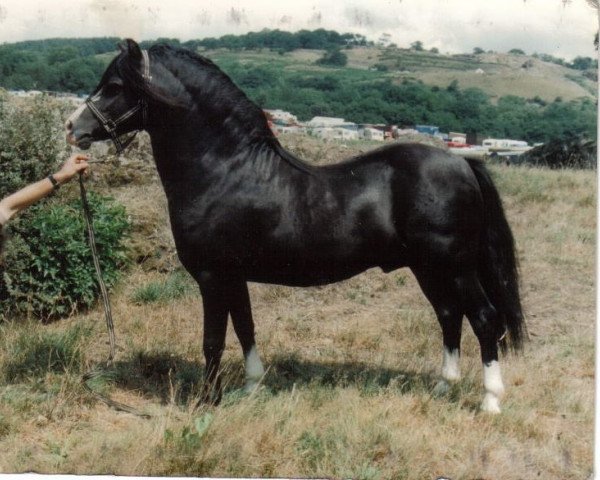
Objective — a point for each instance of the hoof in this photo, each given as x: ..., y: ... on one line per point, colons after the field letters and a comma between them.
x: 491, y: 404
x: 252, y: 386
x: 441, y: 389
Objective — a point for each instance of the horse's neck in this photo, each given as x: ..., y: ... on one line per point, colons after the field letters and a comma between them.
x: 184, y: 159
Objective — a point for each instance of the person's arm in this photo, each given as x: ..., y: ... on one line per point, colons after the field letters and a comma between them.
x: 30, y: 194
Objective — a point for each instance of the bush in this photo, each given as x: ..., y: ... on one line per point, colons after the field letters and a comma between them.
x: 31, y: 141
x: 48, y: 269
x: 334, y: 58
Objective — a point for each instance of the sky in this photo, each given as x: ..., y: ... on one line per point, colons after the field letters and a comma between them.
x: 563, y: 28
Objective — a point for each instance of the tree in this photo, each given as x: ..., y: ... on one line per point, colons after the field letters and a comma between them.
x: 516, y: 51
x: 478, y: 51
x: 417, y: 46
x: 334, y: 57
x: 582, y: 63
x: 61, y: 54
x: 453, y: 87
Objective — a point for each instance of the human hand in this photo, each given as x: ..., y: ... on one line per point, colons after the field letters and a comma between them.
x: 76, y: 163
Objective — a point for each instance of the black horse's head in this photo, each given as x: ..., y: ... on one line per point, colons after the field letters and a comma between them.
x: 164, y: 87
x: 118, y: 105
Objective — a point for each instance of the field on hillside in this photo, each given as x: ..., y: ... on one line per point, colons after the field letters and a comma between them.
x: 351, y: 366
x: 503, y: 74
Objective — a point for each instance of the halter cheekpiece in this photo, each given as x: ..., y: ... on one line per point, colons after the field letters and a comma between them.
x: 109, y: 125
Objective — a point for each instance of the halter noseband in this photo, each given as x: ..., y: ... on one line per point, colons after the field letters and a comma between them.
x: 109, y: 125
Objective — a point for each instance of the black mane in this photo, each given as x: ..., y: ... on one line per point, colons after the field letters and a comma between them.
x: 198, y: 80
x: 215, y: 87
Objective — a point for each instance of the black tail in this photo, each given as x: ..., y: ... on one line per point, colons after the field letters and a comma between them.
x: 498, y: 267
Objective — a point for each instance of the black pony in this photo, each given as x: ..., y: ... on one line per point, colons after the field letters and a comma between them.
x: 244, y: 209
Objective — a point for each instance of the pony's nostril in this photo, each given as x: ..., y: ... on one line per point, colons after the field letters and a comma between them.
x: 69, y: 125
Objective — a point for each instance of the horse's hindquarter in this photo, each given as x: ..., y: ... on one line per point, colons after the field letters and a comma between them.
x: 438, y: 206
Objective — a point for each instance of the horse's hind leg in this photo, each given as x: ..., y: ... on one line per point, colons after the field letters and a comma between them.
x: 452, y: 295
x: 241, y: 316
x: 484, y: 319
x: 443, y: 297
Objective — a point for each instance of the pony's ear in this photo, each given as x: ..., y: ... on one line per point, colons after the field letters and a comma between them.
x: 130, y: 47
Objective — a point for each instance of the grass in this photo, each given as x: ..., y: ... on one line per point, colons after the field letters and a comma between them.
x: 351, y: 367
x: 34, y: 353
x: 177, y: 285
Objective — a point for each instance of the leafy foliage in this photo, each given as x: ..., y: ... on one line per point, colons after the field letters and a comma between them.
x: 29, y: 145
x: 571, y: 152
x: 48, y: 270
x: 334, y: 58
x: 278, y: 40
x: 56, y: 68
x: 417, y: 46
x: 364, y: 97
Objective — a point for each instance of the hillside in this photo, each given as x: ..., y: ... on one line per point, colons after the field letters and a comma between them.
x: 503, y: 74
x: 495, y: 95
x: 57, y: 63
x: 535, y: 98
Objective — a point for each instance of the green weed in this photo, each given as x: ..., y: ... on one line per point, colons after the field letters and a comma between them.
x: 175, y: 286
x: 35, y: 353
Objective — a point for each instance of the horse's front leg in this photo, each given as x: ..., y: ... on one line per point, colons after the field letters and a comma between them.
x: 216, y: 309
x: 241, y: 316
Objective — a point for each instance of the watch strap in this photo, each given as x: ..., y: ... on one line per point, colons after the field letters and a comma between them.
x: 54, y: 182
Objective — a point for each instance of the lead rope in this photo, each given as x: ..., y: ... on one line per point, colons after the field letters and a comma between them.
x: 99, y: 372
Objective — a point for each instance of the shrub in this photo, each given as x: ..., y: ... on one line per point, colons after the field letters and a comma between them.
x: 48, y: 269
x: 31, y: 141
x: 334, y: 58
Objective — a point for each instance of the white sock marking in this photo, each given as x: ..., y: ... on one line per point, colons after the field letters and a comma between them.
x: 494, y: 388
x: 450, y: 365
x: 254, y: 369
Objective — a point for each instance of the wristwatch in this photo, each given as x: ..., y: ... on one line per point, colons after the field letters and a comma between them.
x: 54, y: 182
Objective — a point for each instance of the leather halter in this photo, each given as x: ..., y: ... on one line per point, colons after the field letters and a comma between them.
x: 109, y: 125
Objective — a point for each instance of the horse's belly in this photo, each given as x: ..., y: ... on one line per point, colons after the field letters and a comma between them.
x: 292, y: 263
x: 305, y: 271
x: 303, y: 277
